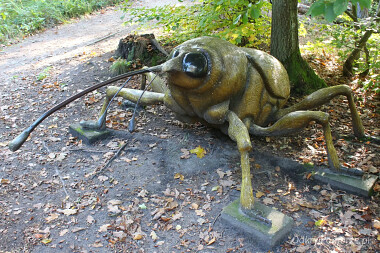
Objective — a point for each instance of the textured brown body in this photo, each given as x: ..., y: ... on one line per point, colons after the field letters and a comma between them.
x: 249, y: 82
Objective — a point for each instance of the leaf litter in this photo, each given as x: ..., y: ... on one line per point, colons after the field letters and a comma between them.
x: 179, y: 213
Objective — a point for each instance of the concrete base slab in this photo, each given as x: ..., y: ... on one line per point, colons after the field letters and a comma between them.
x: 359, y: 185
x: 88, y: 136
x: 265, y: 234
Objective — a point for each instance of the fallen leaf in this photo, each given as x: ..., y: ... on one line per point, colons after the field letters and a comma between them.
x: 97, y: 245
x: 137, y: 237
x: 215, y: 188
x: 102, y: 178
x: 200, y: 213
x: 104, y: 228
x: 171, y: 205
x: 52, y: 217
x: 77, y: 229
x: 158, y: 213
x: 115, y: 202
x: 38, y: 236
x: 119, y: 234
x: 303, y: 248
x: 226, y: 183
x: 201, y: 221
x: 113, y: 209
x: 143, y: 193
x: 142, y: 206
x: 292, y: 207
x: 220, y: 173
x: 68, y: 211
x: 63, y: 232
x: 376, y: 224
x: 211, y: 241
x: 5, y: 181
x: 268, y: 201
x: 60, y: 157
x: 153, y: 235
x: 259, y: 194
x: 177, y: 216
x: 199, y: 151
x: 90, y: 219
x: 185, y: 153
x: 46, y: 241
x: 320, y: 223
x: 194, y: 206
x: 179, y: 176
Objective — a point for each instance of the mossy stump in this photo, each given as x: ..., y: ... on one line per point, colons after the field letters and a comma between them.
x: 141, y: 50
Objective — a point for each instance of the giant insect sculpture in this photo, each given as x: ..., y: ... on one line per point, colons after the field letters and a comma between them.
x: 238, y: 90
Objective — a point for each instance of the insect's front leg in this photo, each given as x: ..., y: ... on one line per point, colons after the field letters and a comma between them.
x: 239, y: 133
x: 147, y: 98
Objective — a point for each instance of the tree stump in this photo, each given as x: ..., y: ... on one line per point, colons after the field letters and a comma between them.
x: 141, y: 50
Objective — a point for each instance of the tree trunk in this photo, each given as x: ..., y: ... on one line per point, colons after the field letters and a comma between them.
x: 348, y: 64
x: 285, y: 47
x: 355, y: 54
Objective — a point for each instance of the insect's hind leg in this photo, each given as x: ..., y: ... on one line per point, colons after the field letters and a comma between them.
x: 295, y: 121
x: 323, y: 96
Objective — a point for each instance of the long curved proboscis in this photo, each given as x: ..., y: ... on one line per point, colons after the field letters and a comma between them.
x: 17, y: 142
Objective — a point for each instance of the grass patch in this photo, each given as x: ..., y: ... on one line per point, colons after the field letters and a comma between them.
x: 24, y: 17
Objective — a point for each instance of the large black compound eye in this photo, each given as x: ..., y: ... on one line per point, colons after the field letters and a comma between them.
x: 195, y: 65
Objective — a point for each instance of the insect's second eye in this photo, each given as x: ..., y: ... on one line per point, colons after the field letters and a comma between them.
x: 195, y: 65
x: 175, y: 54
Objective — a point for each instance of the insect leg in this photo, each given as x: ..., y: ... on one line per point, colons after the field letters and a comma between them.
x: 323, y: 96
x: 239, y: 133
x: 295, y: 121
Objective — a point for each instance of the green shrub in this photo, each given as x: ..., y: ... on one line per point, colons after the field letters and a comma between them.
x: 241, y: 22
x: 23, y: 17
x: 120, y: 66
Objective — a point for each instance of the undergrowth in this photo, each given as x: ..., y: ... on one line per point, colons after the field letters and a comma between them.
x: 340, y: 39
x: 241, y: 22
x: 24, y: 17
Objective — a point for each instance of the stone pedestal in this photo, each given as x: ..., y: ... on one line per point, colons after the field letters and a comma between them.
x: 359, y: 185
x: 88, y: 136
x: 266, y: 234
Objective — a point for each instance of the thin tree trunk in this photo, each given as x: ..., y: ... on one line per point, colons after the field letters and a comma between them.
x: 347, y: 66
x: 285, y: 47
x: 354, y: 55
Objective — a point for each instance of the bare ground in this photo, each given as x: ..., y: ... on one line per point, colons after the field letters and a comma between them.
x: 155, y: 197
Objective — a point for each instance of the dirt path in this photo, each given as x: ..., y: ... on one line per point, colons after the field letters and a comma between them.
x: 156, y: 197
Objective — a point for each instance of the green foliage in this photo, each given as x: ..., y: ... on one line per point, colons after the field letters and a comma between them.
x: 241, y: 22
x: 23, y: 17
x: 120, y: 66
x: 343, y: 38
x: 45, y: 73
x: 331, y: 9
